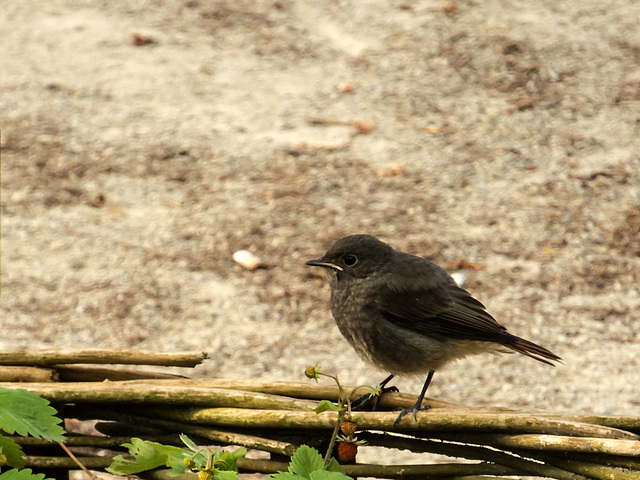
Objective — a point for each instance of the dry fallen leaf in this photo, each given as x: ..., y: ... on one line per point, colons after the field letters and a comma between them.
x: 392, y: 170
x: 345, y: 87
x: 449, y: 8
x: 363, y: 128
x: 140, y: 40
x: 459, y: 264
x: 98, y: 201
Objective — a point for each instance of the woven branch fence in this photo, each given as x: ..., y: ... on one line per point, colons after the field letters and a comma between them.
x: 276, y: 417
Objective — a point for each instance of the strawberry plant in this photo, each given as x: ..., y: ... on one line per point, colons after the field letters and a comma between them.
x: 24, y: 413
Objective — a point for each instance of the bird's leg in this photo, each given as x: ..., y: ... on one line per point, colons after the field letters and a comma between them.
x: 383, y: 386
x: 384, y: 389
x: 418, y: 406
x: 365, y: 399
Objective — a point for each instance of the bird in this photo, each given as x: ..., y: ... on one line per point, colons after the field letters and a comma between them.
x: 407, y: 316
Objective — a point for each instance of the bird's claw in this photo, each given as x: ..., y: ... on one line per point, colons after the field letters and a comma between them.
x: 415, y: 409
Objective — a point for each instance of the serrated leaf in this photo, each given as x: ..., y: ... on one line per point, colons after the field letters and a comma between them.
x: 334, y: 466
x: 147, y: 456
x: 227, y: 475
x: 286, y: 476
x: 325, y: 475
x: 306, y: 460
x: 26, y: 413
x: 24, y: 474
x: 325, y: 405
x: 12, y: 451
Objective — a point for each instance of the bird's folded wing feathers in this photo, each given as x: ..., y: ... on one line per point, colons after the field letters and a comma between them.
x: 449, y: 311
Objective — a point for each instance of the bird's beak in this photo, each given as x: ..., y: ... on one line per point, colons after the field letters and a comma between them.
x: 321, y: 263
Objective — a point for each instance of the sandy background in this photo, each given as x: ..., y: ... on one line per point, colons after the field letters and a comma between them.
x: 504, y: 134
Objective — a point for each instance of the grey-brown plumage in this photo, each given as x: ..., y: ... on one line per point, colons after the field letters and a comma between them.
x: 406, y: 315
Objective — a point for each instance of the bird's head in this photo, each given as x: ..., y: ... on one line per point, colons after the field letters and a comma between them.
x: 355, y: 256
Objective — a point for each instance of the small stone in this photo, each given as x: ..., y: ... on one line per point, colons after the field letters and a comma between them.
x: 247, y: 259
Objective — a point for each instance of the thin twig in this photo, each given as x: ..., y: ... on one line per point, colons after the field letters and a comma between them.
x: 75, y: 459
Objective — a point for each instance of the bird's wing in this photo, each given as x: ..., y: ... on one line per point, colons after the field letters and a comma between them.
x: 427, y: 301
x: 437, y: 308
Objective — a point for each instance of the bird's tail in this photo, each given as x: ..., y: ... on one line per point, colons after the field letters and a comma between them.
x: 532, y: 350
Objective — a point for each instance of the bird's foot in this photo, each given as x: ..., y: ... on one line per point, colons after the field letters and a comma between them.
x: 370, y: 401
x: 415, y: 409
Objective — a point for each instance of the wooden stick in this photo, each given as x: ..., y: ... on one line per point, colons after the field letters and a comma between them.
x: 442, y: 470
x: 550, y: 443
x: 27, y: 374
x: 32, y: 461
x: 438, y: 420
x: 96, y: 442
x: 317, y: 391
x: 631, y: 463
x: 219, y: 436
x: 559, y: 443
x: 309, y: 390
x: 470, y: 452
x: 131, y: 357
x: 577, y: 449
x: 622, y: 422
x: 142, y: 393
x: 391, y: 471
x: 596, y: 471
x: 78, y: 373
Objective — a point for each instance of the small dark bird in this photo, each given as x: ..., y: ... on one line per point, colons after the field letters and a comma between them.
x: 406, y: 315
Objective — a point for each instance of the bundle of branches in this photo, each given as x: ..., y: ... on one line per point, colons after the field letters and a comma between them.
x: 277, y: 417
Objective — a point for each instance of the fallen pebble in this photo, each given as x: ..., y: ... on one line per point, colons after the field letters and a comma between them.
x: 247, y: 259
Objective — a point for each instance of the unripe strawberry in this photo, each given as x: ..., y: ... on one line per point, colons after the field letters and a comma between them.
x: 348, y: 427
x: 312, y: 372
x: 189, y: 463
x: 347, y: 452
x: 205, y: 475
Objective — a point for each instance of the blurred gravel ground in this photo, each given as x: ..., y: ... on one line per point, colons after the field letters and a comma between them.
x: 499, y: 134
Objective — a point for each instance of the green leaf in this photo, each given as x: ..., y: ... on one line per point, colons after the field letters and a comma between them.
x: 305, y: 461
x: 325, y: 475
x: 325, y: 405
x: 334, y: 466
x: 22, y: 475
x: 189, y: 443
x: 228, y: 460
x: 176, y: 462
x: 147, y: 456
x: 286, y: 476
x: 12, y: 451
x: 26, y: 413
x: 227, y: 475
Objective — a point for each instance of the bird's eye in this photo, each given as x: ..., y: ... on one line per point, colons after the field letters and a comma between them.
x: 350, y: 260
